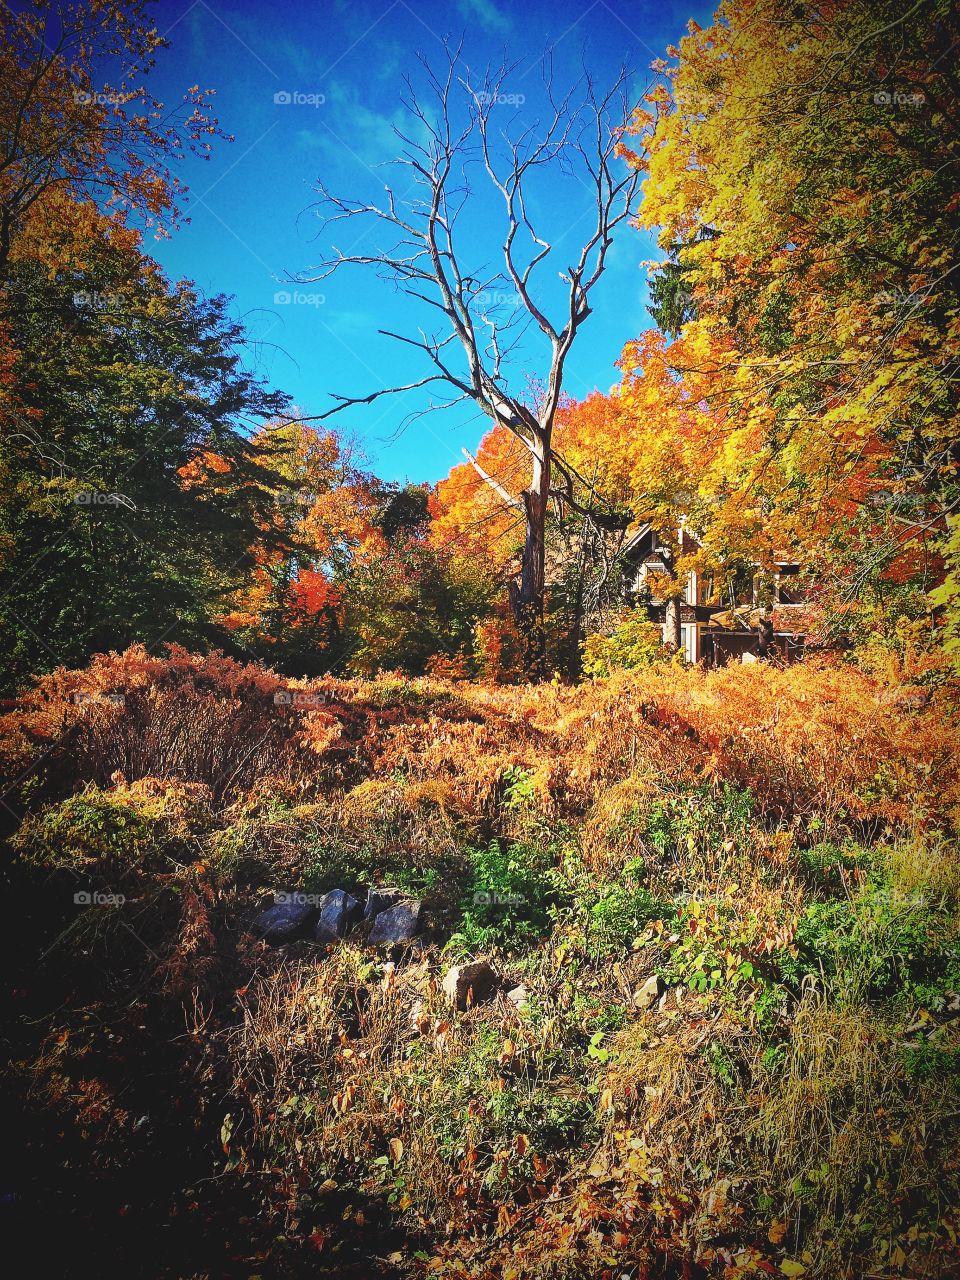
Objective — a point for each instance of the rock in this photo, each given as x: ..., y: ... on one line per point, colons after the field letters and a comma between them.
x: 519, y: 996
x: 286, y: 920
x: 651, y: 991
x: 470, y: 983
x: 380, y: 900
x: 338, y: 911
x: 397, y: 924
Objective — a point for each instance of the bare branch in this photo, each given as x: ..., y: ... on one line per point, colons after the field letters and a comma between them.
x: 503, y: 494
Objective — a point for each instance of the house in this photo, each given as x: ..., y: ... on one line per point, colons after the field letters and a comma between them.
x: 716, y: 629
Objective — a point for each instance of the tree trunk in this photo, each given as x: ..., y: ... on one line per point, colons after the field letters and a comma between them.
x: 765, y: 630
x: 528, y: 599
x: 672, y: 633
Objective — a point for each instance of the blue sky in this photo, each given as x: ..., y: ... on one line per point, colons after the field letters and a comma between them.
x: 343, y: 64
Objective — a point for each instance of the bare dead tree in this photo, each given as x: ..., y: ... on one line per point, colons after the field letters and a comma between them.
x: 451, y: 136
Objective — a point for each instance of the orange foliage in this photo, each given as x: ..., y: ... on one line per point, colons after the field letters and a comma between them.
x: 823, y: 738
x: 471, y: 517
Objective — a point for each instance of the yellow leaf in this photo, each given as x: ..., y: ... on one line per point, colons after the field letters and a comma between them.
x: 396, y: 1150
x: 792, y: 1268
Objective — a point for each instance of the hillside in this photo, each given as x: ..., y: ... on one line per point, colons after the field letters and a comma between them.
x: 720, y: 1038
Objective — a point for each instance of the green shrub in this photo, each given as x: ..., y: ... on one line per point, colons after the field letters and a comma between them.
x: 636, y: 642
x: 700, y: 819
x: 118, y: 828
x: 881, y: 943
x: 508, y: 898
x: 616, y: 912
x: 829, y: 864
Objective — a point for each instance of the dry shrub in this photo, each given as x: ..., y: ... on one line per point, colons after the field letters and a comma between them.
x: 818, y: 738
x: 613, y: 831
x: 815, y: 739
x: 853, y: 1148
x: 928, y: 865
x: 202, y: 718
x: 371, y: 799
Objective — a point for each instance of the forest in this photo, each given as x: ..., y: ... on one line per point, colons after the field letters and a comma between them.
x: 549, y: 869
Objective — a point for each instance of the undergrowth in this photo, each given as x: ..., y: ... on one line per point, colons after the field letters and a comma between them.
x: 725, y: 907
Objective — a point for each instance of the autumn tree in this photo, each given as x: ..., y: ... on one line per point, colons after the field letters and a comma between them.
x: 460, y: 126
x: 802, y: 169
x: 321, y: 522
x: 133, y: 496
x: 413, y: 602
x: 78, y: 125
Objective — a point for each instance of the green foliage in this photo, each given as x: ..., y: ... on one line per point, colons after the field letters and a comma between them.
x: 519, y: 789
x: 550, y: 1106
x: 333, y: 863
x: 881, y: 942
x: 831, y: 864
x: 410, y: 604
x: 701, y: 819
x: 132, y: 381
x: 508, y: 898
x: 672, y: 299
x: 636, y: 642
x: 404, y: 512
x: 714, y: 947
x: 92, y: 828
x: 618, y: 911
x: 928, y: 1060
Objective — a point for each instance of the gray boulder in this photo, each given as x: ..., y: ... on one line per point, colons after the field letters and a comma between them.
x: 284, y: 921
x: 396, y: 925
x: 338, y: 911
x: 467, y: 984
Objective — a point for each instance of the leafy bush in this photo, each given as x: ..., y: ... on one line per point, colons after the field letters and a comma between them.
x: 116, y: 829
x: 699, y: 825
x: 636, y: 642
x: 618, y: 911
x: 830, y: 864
x: 508, y: 898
